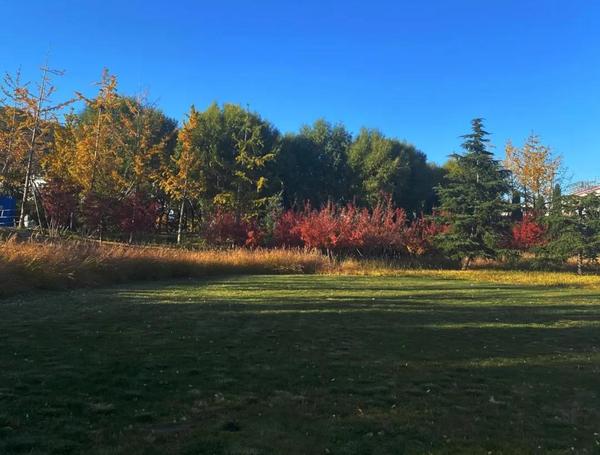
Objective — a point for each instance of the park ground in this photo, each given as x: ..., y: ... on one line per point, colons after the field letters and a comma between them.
x: 304, y: 364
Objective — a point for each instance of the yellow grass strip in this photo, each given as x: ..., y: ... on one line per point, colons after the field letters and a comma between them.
x: 509, y: 277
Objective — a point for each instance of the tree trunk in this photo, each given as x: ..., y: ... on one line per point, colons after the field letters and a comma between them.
x: 34, y: 133
x: 37, y: 207
x: 465, y: 263
x: 27, y: 181
x: 579, y: 263
x: 180, y: 226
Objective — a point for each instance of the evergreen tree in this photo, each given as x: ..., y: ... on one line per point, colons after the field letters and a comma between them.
x: 472, y: 201
x: 556, y: 200
x: 574, y: 229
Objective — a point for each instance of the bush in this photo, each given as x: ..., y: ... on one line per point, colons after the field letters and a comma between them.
x: 527, y: 233
x: 136, y: 214
x: 224, y: 228
x: 60, y: 201
x: 383, y: 231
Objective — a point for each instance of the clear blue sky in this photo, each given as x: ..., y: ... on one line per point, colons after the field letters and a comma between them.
x: 417, y: 70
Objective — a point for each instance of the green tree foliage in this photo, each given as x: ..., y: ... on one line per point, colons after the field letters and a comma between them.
x: 313, y: 165
x: 236, y: 148
x: 574, y: 229
x: 388, y: 166
x: 472, y: 200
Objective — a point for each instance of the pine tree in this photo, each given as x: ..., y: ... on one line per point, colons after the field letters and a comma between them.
x: 555, y: 200
x: 574, y: 229
x: 472, y: 201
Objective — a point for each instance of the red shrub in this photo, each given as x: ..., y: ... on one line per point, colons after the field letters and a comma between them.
x: 527, y: 233
x: 420, y: 234
x: 137, y: 213
x: 254, y: 236
x: 382, y: 231
x: 60, y: 201
x: 225, y: 228
x: 98, y: 212
x: 286, y: 232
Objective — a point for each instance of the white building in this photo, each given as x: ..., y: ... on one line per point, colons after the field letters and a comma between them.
x: 588, y: 190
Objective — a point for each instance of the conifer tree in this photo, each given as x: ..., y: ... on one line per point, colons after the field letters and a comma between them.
x: 574, y: 229
x: 473, y: 201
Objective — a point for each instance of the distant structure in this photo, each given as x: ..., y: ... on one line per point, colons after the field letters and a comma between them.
x: 585, y: 188
x: 7, y: 211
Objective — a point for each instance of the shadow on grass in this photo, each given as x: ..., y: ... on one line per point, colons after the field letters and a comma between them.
x: 255, y: 364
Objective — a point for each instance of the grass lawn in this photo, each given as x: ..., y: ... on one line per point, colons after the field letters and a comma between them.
x: 301, y: 365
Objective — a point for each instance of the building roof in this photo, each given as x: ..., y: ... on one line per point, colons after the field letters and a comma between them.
x: 586, y: 191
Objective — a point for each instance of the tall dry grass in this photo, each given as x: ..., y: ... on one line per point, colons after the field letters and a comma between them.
x: 38, y: 265
x: 31, y: 265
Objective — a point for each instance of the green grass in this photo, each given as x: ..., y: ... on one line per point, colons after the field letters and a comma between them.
x: 301, y: 365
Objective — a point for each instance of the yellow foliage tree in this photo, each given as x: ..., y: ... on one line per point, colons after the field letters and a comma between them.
x: 535, y: 169
x: 96, y: 161
x: 13, y: 128
x: 182, y: 181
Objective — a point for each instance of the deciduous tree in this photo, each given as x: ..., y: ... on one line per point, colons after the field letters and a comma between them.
x: 40, y: 117
x: 535, y: 170
x: 185, y: 179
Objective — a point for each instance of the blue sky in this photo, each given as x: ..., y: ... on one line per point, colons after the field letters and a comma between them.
x: 416, y: 70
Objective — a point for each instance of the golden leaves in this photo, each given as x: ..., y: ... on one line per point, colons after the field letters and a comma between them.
x: 534, y: 167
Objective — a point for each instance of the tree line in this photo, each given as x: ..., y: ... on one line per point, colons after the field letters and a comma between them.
x: 120, y: 148
x: 119, y: 166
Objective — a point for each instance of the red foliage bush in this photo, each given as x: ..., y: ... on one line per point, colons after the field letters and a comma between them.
x: 384, y: 230
x: 98, y: 212
x: 60, y: 201
x: 225, y: 228
x: 286, y: 232
x: 420, y: 235
x: 137, y: 213
x: 527, y: 233
x: 320, y: 228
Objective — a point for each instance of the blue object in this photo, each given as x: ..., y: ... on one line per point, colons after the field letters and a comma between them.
x: 8, y: 211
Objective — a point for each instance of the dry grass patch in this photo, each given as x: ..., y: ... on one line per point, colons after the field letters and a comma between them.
x: 61, y: 265
x: 34, y: 265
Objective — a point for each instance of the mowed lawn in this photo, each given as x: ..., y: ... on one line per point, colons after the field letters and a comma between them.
x: 301, y: 365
